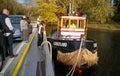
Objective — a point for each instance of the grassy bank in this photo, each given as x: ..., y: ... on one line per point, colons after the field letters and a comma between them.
x: 105, y: 26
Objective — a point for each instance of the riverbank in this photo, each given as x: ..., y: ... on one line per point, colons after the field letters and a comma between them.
x: 105, y: 26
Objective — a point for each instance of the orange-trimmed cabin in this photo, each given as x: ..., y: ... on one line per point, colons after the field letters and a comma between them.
x: 72, y: 27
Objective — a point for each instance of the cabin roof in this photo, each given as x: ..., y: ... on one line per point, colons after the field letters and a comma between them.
x: 72, y: 17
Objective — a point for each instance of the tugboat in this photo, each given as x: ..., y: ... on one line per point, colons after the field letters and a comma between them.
x: 70, y: 43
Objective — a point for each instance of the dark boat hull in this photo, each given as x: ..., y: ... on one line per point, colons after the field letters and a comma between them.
x: 69, y: 45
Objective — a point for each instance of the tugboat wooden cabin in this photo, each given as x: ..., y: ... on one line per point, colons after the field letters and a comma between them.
x: 72, y: 27
x: 71, y: 37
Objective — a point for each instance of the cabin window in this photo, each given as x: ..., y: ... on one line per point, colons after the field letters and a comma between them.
x: 81, y: 24
x: 73, y: 23
x: 65, y: 23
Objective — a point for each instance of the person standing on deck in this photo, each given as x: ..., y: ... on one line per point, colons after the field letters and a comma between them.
x: 41, y: 29
x: 8, y: 31
x: 24, y: 29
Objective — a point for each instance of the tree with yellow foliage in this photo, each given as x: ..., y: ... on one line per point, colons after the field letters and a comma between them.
x: 47, y: 10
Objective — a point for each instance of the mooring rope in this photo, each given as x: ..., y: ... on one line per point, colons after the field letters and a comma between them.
x: 45, y: 41
x: 73, y: 68
x: 50, y: 47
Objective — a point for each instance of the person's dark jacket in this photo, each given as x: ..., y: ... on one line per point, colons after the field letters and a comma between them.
x: 9, y: 39
x: 3, y: 43
x: 4, y: 26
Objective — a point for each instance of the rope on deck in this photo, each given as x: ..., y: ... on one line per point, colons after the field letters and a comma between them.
x: 85, y: 57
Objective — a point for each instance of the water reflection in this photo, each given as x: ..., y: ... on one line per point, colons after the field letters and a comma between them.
x: 108, y: 51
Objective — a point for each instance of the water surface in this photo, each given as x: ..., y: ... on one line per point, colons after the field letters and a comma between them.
x: 108, y: 52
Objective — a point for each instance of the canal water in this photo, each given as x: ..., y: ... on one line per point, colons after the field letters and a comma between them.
x: 108, y: 52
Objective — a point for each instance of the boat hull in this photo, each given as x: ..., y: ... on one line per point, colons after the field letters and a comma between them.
x: 68, y: 50
x: 69, y: 45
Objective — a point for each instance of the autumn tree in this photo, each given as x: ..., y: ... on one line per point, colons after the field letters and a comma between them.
x: 47, y: 10
x: 67, y: 6
x: 13, y: 6
x: 29, y: 5
x: 97, y: 10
